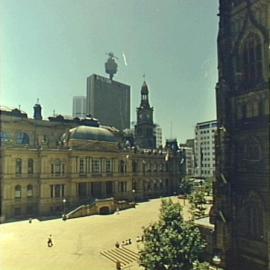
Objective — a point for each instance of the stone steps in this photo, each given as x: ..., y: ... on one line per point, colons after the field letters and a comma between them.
x: 123, y: 255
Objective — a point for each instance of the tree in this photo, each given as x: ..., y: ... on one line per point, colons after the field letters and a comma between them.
x: 197, y: 201
x: 185, y: 186
x: 171, y: 243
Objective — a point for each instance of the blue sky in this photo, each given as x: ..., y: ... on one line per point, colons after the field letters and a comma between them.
x: 49, y: 47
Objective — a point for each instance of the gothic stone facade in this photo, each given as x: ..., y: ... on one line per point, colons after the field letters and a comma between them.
x: 242, y: 188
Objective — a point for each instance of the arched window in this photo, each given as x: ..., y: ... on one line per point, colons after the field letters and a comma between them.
x: 18, y: 169
x: 252, y: 59
x: 29, y: 191
x: 22, y: 138
x: 30, y: 166
x: 4, y: 137
x: 18, y: 192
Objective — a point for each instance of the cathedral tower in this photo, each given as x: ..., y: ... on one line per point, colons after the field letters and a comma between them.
x: 241, y: 212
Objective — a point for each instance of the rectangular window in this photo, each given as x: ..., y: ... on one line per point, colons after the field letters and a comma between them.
x: 30, y: 166
x: 57, y: 168
x: 108, y: 166
x: 122, y: 186
x: 51, y: 187
x: 63, y: 169
x: 57, y: 191
x: 82, y: 166
x: 18, y: 166
x: 63, y: 190
x: 96, y: 166
x: 17, y: 194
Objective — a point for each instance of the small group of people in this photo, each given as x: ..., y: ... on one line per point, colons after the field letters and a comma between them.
x: 139, y: 239
x: 124, y: 243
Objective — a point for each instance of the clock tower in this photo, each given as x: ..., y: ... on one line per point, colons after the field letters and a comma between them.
x: 144, y: 129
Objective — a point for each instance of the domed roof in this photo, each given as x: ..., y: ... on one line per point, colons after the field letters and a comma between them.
x: 92, y: 134
x: 144, y: 90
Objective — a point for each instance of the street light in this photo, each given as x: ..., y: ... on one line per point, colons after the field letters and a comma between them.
x: 64, y: 208
x: 216, y: 261
x: 133, y: 192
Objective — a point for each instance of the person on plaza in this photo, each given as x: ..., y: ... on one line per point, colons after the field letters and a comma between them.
x: 117, y: 244
x: 129, y: 241
x: 50, y: 242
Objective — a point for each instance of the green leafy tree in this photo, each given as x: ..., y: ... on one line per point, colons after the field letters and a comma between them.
x: 208, y: 186
x: 197, y: 203
x: 201, y: 266
x: 171, y: 243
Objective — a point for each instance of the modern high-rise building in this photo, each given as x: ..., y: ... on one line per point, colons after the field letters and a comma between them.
x: 205, y: 148
x: 109, y: 101
x: 79, y: 106
x: 241, y: 212
x: 158, y: 135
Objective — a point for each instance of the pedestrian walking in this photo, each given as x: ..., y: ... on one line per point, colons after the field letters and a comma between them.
x: 50, y: 242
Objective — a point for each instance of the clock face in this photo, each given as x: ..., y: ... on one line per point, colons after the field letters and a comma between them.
x: 140, y: 116
x: 148, y: 116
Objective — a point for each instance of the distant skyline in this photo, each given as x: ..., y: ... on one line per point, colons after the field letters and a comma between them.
x: 49, y: 48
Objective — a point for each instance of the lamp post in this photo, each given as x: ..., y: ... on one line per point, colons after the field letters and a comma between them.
x: 133, y: 193
x: 216, y: 261
x: 64, y: 208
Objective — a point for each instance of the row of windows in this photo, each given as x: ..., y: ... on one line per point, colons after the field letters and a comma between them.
x: 58, y: 167
x: 20, y: 138
x: 207, y: 148
x: 208, y: 172
x: 208, y: 142
x: 85, y: 165
x: 18, y: 191
x: 209, y: 159
x: 208, y: 165
x: 206, y: 131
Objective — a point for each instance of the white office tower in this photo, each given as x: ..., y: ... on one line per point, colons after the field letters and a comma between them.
x: 205, y: 148
x: 158, y: 135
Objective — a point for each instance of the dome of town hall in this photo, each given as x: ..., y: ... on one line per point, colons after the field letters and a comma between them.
x: 88, y: 133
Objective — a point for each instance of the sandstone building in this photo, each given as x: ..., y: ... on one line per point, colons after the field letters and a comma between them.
x: 45, y: 163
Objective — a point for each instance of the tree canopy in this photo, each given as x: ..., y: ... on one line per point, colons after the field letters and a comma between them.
x: 171, y: 243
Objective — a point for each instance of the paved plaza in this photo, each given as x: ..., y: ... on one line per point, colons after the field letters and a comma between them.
x: 77, y: 242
